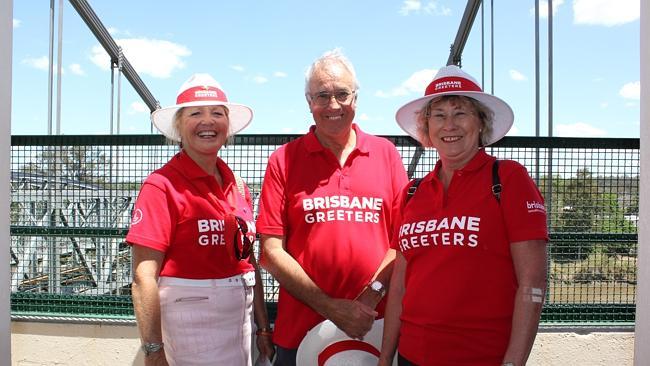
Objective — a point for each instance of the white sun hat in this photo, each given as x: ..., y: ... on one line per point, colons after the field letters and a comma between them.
x: 201, y: 90
x: 451, y: 80
x: 327, y: 345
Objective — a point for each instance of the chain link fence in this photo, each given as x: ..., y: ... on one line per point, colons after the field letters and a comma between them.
x: 72, y: 198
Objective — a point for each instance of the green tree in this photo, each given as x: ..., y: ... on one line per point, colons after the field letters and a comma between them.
x: 578, y: 208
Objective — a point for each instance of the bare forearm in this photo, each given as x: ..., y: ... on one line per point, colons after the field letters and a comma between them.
x: 392, y: 321
x: 146, y: 305
x: 259, y: 303
x: 383, y: 275
x: 392, y: 325
x: 525, y: 321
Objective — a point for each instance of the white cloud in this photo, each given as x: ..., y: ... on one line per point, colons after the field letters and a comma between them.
x: 153, y: 57
x: 605, y: 12
x: 138, y: 107
x: 543, y: 8
x: 579, y: 129
x: 517, y: 76
x: 410, y: 6
x: 260, y: 80
x: 17, y: 23
x: 286, y: 130
x: 77, y: 70
x: 604, y: 105
x: 416, y: 83
x: 115, y: 32
x: 364, y: 117
x: 237, y: 68
x: 631, y: 90
x: 431, y: 7
x: 280, y: 74
x: 37, y: 63
x: 40, y: 63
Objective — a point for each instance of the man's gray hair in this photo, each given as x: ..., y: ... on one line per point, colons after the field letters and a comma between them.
x: 334, y: 56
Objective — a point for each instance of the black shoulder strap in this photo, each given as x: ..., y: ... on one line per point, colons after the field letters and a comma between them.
x: 496, y: 182
x: 412, y: 188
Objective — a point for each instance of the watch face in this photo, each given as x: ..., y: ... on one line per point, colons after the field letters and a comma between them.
x: 378, y: 287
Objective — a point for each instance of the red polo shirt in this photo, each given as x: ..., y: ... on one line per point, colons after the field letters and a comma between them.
x: 460, y: 280
x: 180, y: 211
x: 336, y: 220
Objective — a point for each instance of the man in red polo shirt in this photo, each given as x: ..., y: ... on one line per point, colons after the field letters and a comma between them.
x: 326, y: 214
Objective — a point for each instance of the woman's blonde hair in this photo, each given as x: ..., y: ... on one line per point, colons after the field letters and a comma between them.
x: 485, y: 115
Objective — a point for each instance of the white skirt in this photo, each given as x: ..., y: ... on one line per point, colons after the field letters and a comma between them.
x: 207, y: 322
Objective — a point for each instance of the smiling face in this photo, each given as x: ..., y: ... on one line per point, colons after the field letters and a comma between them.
x: 454, y: 129
x: 334, y: 118
x: 203, y: 130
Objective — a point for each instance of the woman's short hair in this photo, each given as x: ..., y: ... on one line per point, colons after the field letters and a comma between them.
x: 485, y: 114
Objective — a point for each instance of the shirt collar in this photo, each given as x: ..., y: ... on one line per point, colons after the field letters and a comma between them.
x: 477, y: 162
x: 313, y: 145
x: 188, y: 167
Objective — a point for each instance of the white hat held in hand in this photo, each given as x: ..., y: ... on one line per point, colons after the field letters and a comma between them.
x: 327, y: 345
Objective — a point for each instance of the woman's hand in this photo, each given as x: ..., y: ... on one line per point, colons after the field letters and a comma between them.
x: 265, y: 346
x: 156, y: 359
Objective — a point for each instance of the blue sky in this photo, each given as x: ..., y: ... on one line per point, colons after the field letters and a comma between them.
x: 259, y: 50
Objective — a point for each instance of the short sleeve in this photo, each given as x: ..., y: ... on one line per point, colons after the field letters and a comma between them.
x: 151, y: 219
x: 272, y: 210
x: 522, y: 204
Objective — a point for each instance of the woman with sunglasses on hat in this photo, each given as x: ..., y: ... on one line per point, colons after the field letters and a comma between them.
x: 195, y: 281
x: 470, y: 274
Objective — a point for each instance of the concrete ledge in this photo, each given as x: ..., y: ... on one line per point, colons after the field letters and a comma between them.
x: 74, y: 344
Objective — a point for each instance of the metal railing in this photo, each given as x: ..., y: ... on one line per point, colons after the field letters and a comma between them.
x: 72, y: 197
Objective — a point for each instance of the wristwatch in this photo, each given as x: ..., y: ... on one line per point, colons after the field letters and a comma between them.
x: 149, y: 348
x: 378, y: 287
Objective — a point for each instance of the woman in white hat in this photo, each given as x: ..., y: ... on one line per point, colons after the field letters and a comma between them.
x: 195, y: 277
x: 470, y: 274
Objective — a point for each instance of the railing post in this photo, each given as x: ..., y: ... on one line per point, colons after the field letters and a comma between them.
x: 6, y: 34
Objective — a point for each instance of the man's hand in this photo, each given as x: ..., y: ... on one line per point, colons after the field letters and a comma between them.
x: 351, y: 316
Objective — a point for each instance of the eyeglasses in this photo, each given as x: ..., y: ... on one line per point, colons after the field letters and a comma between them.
x: 342, y: 97
x: 243, y: 245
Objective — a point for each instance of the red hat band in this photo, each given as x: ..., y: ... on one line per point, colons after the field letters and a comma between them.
x: 451, y: 84
x: 201, y: 94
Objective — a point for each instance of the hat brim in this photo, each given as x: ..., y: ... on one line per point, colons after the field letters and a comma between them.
x: 239, y: 117
x: 327, y: 345
x: 503, y: 119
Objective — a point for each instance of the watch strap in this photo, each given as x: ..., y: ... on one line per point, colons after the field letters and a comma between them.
x: 149, y: 348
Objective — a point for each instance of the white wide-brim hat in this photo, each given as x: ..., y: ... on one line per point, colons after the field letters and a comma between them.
x: 327, y: 345
x: 201, y: 90
x: 451, y: 80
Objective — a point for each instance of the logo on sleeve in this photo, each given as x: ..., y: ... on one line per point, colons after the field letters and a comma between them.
x: 534, y: 206
x: 136, y: 217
